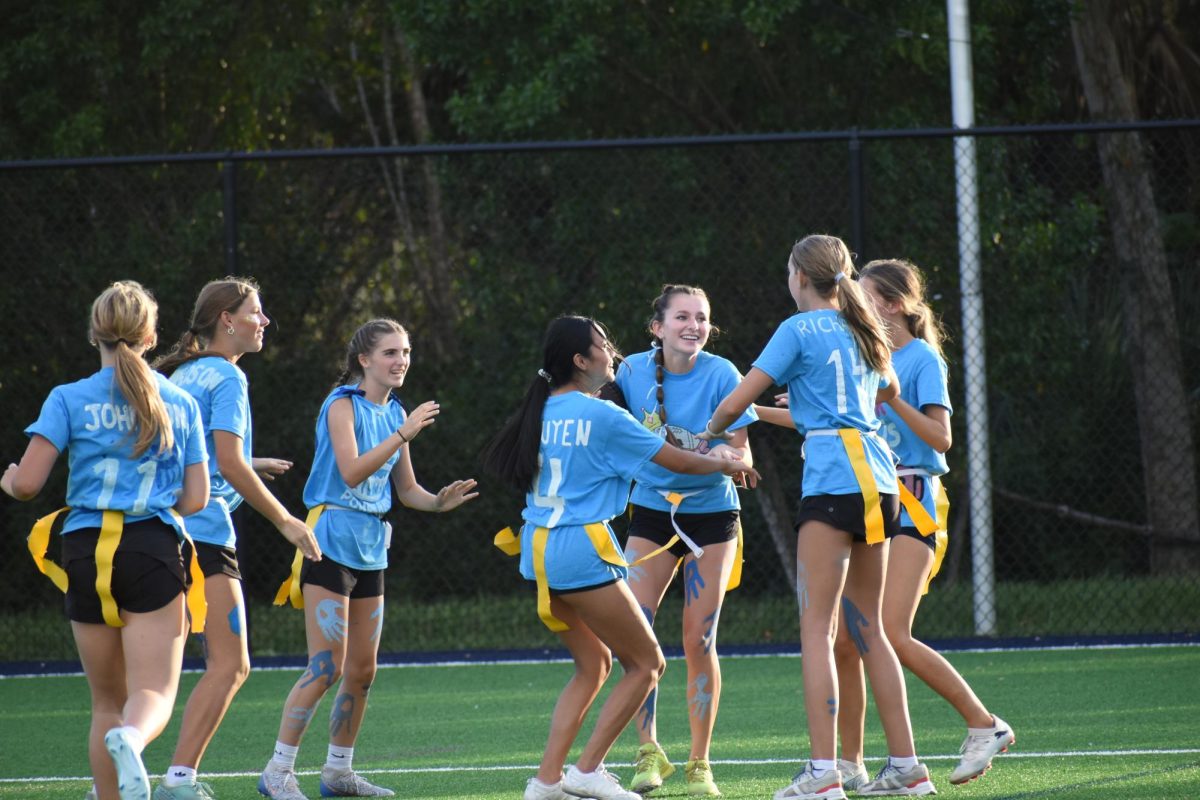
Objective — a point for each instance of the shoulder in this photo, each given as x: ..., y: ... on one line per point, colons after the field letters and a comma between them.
x: 711, y: 362
x: 638, y: 363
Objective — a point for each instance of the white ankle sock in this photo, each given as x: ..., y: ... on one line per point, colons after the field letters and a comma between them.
x: 179, y: 775
x: 285, y: 755
x: 339, y: 757
x: 821, y: 765
x: 903, y: 762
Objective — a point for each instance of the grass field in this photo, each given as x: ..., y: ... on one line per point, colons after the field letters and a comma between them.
x: 1099, y: 723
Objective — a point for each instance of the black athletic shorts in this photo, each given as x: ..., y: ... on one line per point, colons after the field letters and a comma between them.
x: 930, y: 540
x: 704, y: 529
x: 148, y: 570
x: 355, y: 584
x: 845, y: 512
x: 216, y: 560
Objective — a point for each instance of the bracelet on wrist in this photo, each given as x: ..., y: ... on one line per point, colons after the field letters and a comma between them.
x: 708, y: 429
x: 403, y: 438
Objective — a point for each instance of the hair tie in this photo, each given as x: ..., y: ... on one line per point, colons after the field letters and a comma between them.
x: 545, y: 375
x: 838, y: 277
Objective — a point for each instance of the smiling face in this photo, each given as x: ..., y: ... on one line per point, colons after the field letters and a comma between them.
x: 248, y: 322
x: 387, y: 364
x: 595, y: 368
x: 685, y: 328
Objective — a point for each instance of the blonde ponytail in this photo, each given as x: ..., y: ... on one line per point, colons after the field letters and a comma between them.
x: 123, y: 316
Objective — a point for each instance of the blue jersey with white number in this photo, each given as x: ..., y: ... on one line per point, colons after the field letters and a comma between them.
x: 354, y: 533
x: 92, y: 421
x: 829, y: 386
x: 590, y: 451
x: 923, y: 382
x: 690, y: 399
x: 221, y: 391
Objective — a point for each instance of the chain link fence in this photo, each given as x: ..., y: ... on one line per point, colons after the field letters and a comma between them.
x: 1091, y: 329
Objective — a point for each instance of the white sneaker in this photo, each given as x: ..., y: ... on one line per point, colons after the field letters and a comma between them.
x: 536, y: 790
x: 278, y: 783
x: 894, y: 781
x: 348, y: 783
x: 806, y: 786
x: 854, y: 774
x: 601, y: 785
x: 978, y: 749
x: 132, y: 780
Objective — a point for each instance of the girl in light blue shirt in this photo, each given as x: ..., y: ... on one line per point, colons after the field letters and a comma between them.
x: 672, y: 390
x: 916, y: 425
x: 362, y: 436
x: 137, y: 462
x: 575, y: 455
x: 834, y: 359
x: 227, y: 322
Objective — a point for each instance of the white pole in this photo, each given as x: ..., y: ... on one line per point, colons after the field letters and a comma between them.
x: 979, y: 475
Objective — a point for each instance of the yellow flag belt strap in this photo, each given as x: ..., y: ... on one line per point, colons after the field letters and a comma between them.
x: 112, y: 526
x: 937, y: 525
x: 290, y: 588
x: 852, y: 440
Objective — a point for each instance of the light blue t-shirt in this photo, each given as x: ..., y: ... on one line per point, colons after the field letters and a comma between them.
x: 220, y: 389
x: 93, y: 422
x: 829, y: 386
x: 923, y: 382
x: 351, y: 531
x: 690, y: 399
x: 590, y: 451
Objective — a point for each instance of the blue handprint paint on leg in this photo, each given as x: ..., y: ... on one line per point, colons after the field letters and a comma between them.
x: 237, y: 619
x: 801, y: 587
x: 701, y: 701
x: 854, y: 619
x: 342, y: 714
x: 378, y: 615
x: 320, y: 666
x: 646, y: 712
x: 693, y: 582
x: 331, y: 620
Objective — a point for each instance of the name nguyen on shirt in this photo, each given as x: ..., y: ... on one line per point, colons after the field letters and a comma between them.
x: 566, y: 432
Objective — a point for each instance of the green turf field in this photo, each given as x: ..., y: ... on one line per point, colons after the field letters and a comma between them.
x: 1103, y: 723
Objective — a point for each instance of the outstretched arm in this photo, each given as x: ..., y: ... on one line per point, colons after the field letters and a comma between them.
x: 414, y: 495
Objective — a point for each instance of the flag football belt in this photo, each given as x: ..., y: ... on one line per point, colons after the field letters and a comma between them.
x: 290, y: 588
x: 509, y: 543
x: 112, y: 526
x: 924, y: 523
x: 852, y: 442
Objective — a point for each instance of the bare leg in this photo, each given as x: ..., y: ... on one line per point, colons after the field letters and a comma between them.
x: 705, y: 579
x: 861, y: 613
x: 227, y: 665
x: 822, y: 558
x: 362, y: 650
x: 649, y: 582
x: 613, y: 616
x: 908, y: 566
x: 852, y: 690
x: 593, y: 662
x: 104, y: 664
x: 325, y: 625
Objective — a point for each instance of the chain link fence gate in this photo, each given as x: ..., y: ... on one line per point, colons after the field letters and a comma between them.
x: 1092, y: 368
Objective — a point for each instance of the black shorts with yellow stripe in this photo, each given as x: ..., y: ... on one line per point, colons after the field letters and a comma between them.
x: 846, y: 512
x: 148, y: 570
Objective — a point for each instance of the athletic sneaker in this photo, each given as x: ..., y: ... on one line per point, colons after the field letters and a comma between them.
x: 132, y: 780
x: 854, y: 774
x: 653, y: 767
x: 892, y: 780
x: 979, y: 748
x: 699, y: 779
x: 187, y: 791
x: 536, y: 790
x: 806, y: 786
x: 278, y: 783
x: 348, y: 783
x: 601, y: 785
